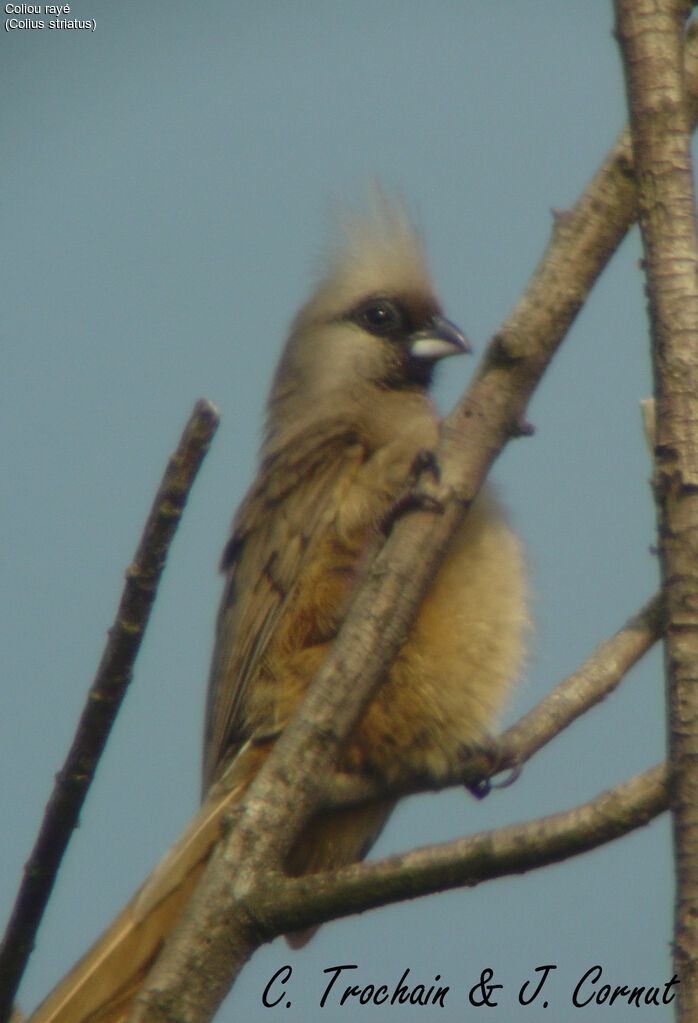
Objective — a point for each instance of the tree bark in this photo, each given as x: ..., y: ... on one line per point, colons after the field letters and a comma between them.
x: 650, y: 33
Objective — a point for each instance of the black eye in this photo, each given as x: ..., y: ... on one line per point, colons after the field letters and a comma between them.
x: 380, y: 316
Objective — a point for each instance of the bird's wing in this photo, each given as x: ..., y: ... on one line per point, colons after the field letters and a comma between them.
x: 275, y: 534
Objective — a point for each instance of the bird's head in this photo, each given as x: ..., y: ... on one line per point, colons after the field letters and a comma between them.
x: 373, y: 323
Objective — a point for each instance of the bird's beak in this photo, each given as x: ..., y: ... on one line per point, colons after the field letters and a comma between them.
x: 439, y: 339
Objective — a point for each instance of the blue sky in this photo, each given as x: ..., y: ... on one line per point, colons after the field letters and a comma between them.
x: 165, y: 188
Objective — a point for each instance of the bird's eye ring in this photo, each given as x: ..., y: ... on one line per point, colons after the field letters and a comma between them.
x: 381, y: 317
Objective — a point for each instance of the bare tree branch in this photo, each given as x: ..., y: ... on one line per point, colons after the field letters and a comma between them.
x: 300, y: 902
x: 103, y: 700
x: 592, y: 682
x: 650, y: 36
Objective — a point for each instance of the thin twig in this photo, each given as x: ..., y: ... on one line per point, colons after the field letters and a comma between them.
x: 103, y: 701
x: 593, y: 681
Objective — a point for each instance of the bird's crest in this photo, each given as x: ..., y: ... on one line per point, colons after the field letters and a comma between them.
x: 376, y: 251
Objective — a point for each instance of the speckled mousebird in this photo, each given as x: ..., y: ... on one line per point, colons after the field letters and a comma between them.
x: 348, y: 412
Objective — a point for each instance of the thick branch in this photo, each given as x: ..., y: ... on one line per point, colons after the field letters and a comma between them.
x: 103, y: 700
x: 650, y: 35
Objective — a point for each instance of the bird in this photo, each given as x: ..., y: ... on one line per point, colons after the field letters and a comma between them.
x: 348, y: 414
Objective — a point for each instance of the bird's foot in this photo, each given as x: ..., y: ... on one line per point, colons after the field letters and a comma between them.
x: 413, y: 499
x: 481, y: 762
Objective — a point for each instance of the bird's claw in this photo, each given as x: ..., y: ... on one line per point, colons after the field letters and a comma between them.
x: 413, y: 499
x: 425, y: 459
x: 482, y: 761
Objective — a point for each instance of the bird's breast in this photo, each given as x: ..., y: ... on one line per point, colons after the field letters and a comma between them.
x: 451, y: 678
